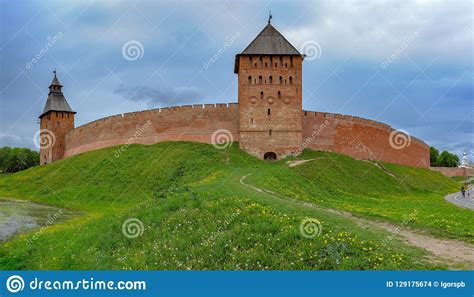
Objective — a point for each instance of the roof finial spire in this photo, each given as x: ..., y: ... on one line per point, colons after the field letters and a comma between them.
x: 269, y: 16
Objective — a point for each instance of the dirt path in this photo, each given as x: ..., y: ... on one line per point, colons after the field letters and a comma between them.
x: 299, y: 162
x: 443, y: 250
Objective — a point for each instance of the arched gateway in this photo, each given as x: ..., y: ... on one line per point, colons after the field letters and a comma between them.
x: 270, y: 156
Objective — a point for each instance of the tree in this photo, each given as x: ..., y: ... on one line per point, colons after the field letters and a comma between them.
x: 16, y: 159
x: 447, y: 159
x: 434, y: 155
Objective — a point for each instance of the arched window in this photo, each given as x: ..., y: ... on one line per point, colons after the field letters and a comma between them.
x: 279, y: 95
x: 281, y: 80
x: 270, y: 79
x: 261, y: 95
x: 291, y: 80
x: 268, y: 111
x: 250, y: 80
x: 260, y: 79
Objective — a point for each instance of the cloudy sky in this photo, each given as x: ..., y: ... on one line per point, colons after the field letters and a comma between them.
x: 409, y: 65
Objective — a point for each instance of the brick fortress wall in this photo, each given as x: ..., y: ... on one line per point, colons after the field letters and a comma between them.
x: 362, y: 139
x: 357, y: 137
x: 181, y: 123
x: 454, y: 171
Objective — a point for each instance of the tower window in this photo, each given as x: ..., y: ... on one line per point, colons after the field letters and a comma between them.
x: 279, y: 95
x: 291, y: 80
x: 255, y: 64
x: 281, y: 80
x: 260, y: 79
x: 276, y: 65
x: 250, y: 59
x: 286, y: 65
x: 281, y: 61
x: 268, y: 112
x: 261, y: 61
x: 271, y: 61
x: 266, y: 64
x: 270, y: 79
x: 291, y: 61
x: 251, y: 120
x: 261, y: 95
x: 250, y: 80
x: 270, y: 132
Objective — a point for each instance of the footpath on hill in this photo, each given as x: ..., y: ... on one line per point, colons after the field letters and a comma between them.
x: 443, y: 250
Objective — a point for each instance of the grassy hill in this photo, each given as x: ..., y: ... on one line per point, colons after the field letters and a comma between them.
x: 197, y: 215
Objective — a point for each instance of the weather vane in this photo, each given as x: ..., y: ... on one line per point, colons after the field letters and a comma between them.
x: 269, y: 16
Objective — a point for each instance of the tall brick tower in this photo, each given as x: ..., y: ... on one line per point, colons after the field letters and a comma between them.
x: 57, y: 119
x: 270, y: 99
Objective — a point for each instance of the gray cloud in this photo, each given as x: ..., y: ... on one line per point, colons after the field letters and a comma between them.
x: 159, y: 96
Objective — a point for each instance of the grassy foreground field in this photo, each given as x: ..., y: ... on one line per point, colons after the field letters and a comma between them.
x: 197, y: 215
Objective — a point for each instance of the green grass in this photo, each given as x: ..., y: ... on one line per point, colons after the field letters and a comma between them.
x: 338, y: 181
x: 3, y: 175
x: 197, y: 215
x: 460, y: 179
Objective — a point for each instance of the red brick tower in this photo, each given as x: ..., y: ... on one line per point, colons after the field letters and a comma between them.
x: 270, y: 99
x: 57, y: 119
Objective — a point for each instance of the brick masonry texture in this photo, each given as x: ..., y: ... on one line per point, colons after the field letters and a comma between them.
x: 270, y: 104
x: 181, y: 123
x: 454, y: 171
x: 59, y: 123
x: 361, y: 139
x: 357, y: 137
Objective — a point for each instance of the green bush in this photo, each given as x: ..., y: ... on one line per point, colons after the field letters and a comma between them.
x: 445, y: 159
x: 17, y: 159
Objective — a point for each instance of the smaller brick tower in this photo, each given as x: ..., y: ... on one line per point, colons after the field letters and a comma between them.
x: 57, y: 119
x: 270, y: 101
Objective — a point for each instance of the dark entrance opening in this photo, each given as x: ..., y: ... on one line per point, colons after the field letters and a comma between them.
x: 270, y: 156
